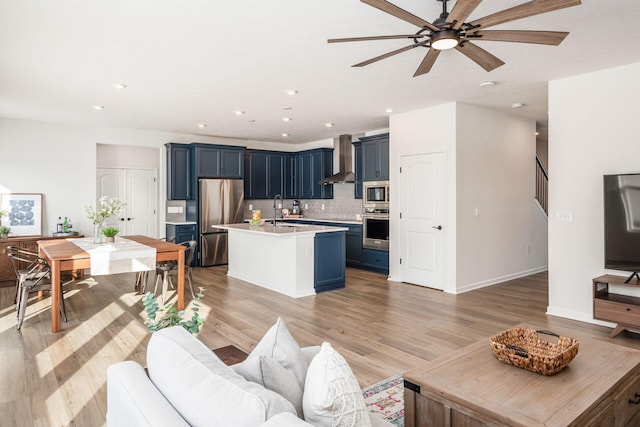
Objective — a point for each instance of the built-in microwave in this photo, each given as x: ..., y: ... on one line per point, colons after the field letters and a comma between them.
x: 375, y: 194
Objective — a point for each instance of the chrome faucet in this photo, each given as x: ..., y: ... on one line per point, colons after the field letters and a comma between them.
x: 275, y: 208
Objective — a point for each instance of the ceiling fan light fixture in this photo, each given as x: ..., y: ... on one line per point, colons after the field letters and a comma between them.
x: 445, y: 39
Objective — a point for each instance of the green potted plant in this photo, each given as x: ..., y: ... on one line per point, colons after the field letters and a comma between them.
x: 4, y: 231
x: 158, y: 318
x: 110, y: 233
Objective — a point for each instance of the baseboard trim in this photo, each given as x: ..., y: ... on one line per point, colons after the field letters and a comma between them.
x: 495, y: 280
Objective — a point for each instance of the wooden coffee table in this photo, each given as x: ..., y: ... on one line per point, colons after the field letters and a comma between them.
x: 600, y: 387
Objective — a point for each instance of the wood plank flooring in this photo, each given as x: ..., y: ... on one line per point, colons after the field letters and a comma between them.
x: 382, y: 329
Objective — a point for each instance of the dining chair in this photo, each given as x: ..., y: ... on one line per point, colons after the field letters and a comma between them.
x: 32, y: 275
x: 142, y: 277
x: 164, y: 269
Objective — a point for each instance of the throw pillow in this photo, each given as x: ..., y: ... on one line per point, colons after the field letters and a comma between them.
x: 332, y: 395
x: 273, y: 376
x: 277, y: 363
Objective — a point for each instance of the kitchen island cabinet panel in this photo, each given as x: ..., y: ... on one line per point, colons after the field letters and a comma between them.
x: 329, y: 263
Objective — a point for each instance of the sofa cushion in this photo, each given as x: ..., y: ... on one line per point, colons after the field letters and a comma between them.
x: 202, y: 388
x: 332, y: 395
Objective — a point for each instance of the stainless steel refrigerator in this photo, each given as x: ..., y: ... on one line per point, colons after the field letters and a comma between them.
x: 220, y: 201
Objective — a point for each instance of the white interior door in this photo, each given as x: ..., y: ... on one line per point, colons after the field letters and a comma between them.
x: 421, y: 225
x: 138, y: 187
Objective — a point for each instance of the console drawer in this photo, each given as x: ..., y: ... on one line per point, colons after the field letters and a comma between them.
x: 624, y: 402
x: 618, y: 312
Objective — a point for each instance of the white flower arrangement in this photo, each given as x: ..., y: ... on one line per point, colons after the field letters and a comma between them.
x: 108, y: 208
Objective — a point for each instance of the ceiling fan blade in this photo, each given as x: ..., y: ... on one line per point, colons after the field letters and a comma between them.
x: 388, y: 54
x: 427, y: 62
x: 461, y: 11
x: 479, y: 56
x: 398, y: 12
x: 537, y: 37
x: 533, y: 7
x: 360, y: 39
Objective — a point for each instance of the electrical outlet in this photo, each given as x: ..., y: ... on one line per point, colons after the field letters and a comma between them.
x: 306, y: 206
x: 250, y: 207
x: 477, y: 212
x: 322, y: 206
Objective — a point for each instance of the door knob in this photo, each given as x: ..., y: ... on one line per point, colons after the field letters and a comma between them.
x: 130, y: 219
x: 437, y: 227
x: 121, y: 219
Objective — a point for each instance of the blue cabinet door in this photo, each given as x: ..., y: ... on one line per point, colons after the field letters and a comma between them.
x: 258, y: 172
x: 275, y: 175
x: 383, y: 153
x: 375, y: 157
x: 206, y: 161
x: 329, y: 261
x: 305, y: 175
x: 179, y: 183
x: 370, y: 161
x: 179, y: 233
x: 289, y: 179
x: 357, y: 170
x: 231, y: 163
x: 376, y: 260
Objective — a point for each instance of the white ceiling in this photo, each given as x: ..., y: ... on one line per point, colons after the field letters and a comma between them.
x: 197, y: 61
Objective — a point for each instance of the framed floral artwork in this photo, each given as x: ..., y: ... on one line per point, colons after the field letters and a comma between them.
x: 24, y: 213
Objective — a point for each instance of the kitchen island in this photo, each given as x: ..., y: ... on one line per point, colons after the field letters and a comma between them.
x: 293, y: 259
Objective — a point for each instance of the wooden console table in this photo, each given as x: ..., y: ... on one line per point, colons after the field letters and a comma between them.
x: 600, y: 387
x: 613, y: 307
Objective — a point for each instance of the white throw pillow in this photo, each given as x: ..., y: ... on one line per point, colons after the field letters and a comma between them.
x: 277, y: 363
x: 332, y: 395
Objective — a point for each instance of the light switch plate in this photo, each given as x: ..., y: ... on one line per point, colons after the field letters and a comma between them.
x: 564, y: 216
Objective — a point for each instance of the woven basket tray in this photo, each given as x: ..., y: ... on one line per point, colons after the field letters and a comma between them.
x: 522, y: 348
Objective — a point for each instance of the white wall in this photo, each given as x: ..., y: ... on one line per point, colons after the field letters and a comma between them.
x: 60, y: 162
x: 490, y: 165
x: 593, y: 130
x: 424, y: 131
x: 496, y: 175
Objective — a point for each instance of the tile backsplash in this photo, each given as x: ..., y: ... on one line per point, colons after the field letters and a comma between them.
x: 342, y: 206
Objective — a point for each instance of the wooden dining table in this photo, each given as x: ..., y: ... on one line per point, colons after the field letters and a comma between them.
x: 63, y: 255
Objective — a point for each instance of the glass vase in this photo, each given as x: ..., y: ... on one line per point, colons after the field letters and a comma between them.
x: 98, y: 237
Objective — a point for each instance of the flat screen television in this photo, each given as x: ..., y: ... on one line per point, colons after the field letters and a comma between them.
x: 622, y: 223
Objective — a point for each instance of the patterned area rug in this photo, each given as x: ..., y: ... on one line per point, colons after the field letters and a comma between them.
x: 387, y: 398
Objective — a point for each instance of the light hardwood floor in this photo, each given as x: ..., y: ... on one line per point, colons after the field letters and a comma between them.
x: 381, y: 328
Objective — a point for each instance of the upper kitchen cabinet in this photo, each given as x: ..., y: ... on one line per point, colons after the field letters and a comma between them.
x: 265, y: 174
x: 217, y: 161
x: 311, y: 167
x: 375, y: 157
x: 179, y: 184
x: 290, y: 183
x: 357, y: 170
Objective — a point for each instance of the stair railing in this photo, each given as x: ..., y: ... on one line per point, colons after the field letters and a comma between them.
x: 542, y: 185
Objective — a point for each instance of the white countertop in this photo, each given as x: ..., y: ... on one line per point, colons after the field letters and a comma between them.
x: 341, y: 221
x: 181, y: 222
x: 282, y: 229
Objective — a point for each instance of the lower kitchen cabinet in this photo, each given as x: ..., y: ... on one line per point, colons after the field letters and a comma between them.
x: 329, y: 261
x: 376, y: 260
x: 179, y: 233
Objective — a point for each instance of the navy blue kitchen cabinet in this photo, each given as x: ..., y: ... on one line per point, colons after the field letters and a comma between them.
x: 354, y: 246
x: 217, y: 161
x: 357, y: 170
x: 329, y: 260
x: 311, y: 167
x: 290, y: 182
x: 265, y: 174
x: 376, y: 260
x: 179, y: 233
x: 179, y: 183
x: 375, y: 157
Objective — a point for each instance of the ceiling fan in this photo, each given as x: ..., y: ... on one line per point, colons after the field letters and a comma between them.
x: 451, y: 31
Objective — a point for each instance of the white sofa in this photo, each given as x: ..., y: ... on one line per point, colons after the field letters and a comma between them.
x: 188, y: 385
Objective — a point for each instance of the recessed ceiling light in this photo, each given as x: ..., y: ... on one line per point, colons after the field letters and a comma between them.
x: 98, y: 107
x: 487, y: 83
x: 286, y: 119
x: 517, y: 105
x: 287, y: 108
x: 251, y: 121
x: 292, y: 92
x: 285, y: 135
x: 119, y: 85
x: 389, y: 110
x: 202, y: 125
x: 238, y: 112
x: 329, y: 125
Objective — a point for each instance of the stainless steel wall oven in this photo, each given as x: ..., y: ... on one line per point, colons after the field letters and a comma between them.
x: 375, y: 230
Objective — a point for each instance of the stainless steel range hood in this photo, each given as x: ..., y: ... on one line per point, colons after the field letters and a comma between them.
x: 344, y: 163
